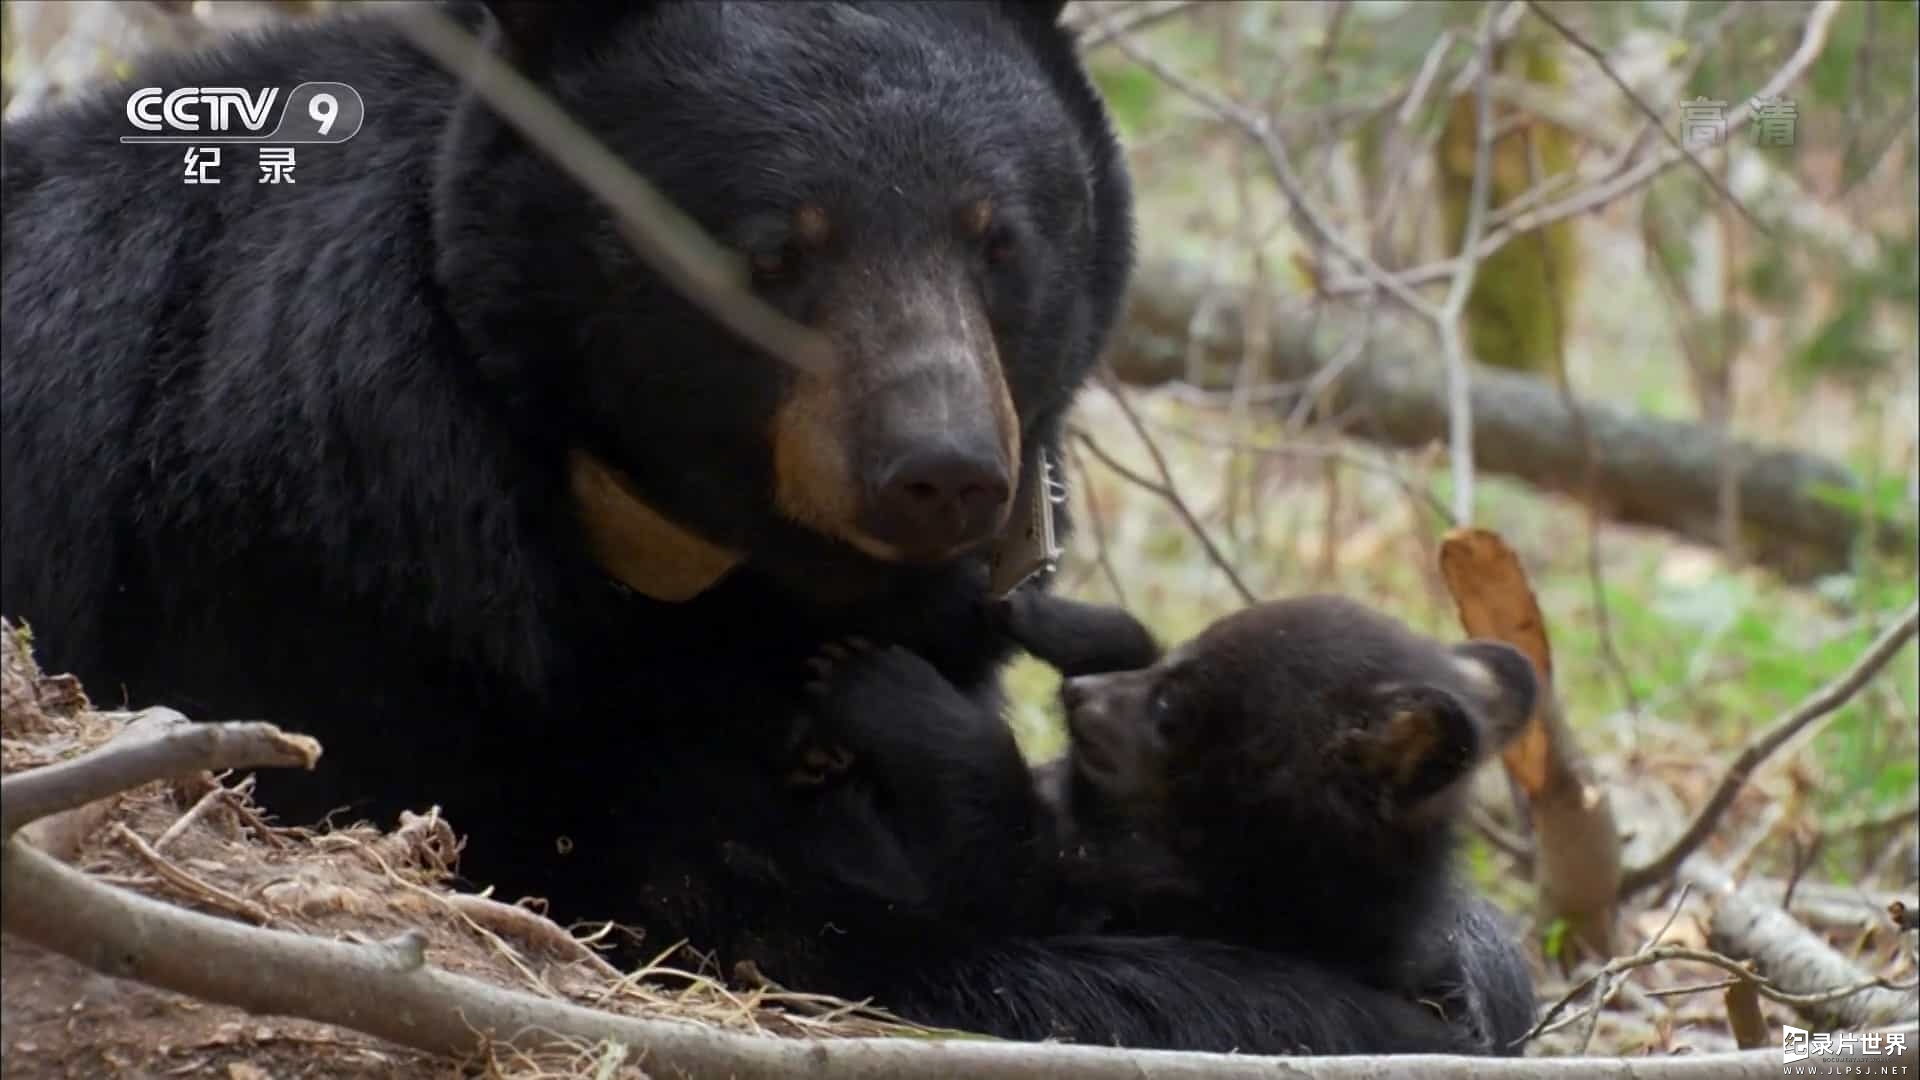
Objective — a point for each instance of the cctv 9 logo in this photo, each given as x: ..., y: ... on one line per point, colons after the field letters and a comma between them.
x: 314, y: 112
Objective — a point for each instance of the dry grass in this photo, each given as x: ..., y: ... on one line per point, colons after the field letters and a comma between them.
x: 205, y: 845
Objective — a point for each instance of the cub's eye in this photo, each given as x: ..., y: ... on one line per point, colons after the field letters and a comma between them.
x: 1160, y: 711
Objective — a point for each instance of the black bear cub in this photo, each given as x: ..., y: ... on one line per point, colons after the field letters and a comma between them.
x: 1290, y: 779
x: 1285, y: 786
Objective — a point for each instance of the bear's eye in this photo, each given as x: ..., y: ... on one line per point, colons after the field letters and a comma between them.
x: 1001, y: 245
x: 773, y: 266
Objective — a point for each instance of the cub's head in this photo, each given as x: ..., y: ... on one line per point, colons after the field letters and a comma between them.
x: 931, y: 187
x: 1308, y: 724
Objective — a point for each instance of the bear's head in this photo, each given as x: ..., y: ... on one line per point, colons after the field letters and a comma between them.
x: 933, y: 188
x: 1313, y: 730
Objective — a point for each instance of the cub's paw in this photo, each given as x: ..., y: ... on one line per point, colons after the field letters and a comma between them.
x: 861, y: 693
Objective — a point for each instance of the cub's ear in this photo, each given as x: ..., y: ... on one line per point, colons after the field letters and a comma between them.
x: 532, y: 32
x: 1502, y: 682
x: 1429, y: 740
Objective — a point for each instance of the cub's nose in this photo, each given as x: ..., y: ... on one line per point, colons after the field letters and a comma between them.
x: 933, y: 499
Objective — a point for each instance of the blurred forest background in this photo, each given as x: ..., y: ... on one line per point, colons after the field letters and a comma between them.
x: 1682, y: 343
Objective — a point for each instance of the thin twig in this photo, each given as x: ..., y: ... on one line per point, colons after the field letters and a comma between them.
x: 1102, y: 553
x: 1819, y: 704
x: 1334, y: 454
x: 1623, y: 181
x: 1589, y: 454
x: 1133, y: 21
x: 1308, y: 216
x: 1173, y: 499
x: 1549, y: 1022
x: 1459, y: 385
x: 216, y: 793
x: 1610, y: 984
x: 1165, y: 488
x: 202, y: 891
x: 1692, y: 988
x: 1646, y: 110
x: 1400, y: 158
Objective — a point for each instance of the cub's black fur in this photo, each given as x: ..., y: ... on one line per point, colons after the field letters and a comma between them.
x: 1292, y: 779
x: 1286, y: 784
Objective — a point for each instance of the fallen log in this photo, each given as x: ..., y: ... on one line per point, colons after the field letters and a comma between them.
x: 1644, y: 470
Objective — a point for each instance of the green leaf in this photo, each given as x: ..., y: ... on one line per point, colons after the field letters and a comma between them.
x: 1131, y: 91
x: 1843, y: 346
x: 1773, y: 280
x: 1554, y: 941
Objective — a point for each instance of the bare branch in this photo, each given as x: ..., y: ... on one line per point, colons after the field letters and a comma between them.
x: 1308, y: 216
x: 670, y: 241
x: 1400, y: 155
x: 1624, y: 179
x: 1174, y: 499
x: 1653, y: 118
x: 159, y: 745
x: 1802, y: 970
x: 1096, y: 523
x: 1139, y: 18
x: 201, y: 891
x: 1459, y: 385
x: 389, y: 991
x: 1330, y: 453
x: 1165, y: 487
x: 1823, y: 702
x: 1609, y: 974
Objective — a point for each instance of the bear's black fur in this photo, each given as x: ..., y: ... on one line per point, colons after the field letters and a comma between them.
x: 1287, y: 783
x: 342, y: 454
x: 361, y: 456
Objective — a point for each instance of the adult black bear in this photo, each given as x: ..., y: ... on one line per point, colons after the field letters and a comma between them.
x: 360, y: 455
x: 1290, y: 780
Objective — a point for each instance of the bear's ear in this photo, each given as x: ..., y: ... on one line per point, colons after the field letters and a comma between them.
x: 532, y: 31
x: 1429, y: 740
x: 1502, y: 682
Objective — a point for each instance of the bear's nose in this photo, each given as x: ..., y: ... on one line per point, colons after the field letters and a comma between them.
x: 937, y: 498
